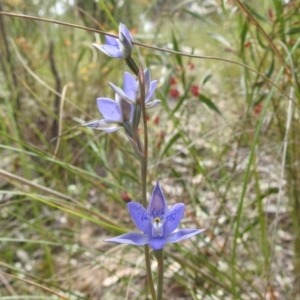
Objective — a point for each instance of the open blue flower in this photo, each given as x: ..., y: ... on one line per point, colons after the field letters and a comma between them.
x: 158, y: 223
x: 132, y: 90
x: 116, y: 114
x: 120, y: 113
x: 118, y: 48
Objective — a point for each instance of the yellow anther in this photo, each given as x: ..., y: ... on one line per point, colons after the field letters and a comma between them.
x: 157, y: 220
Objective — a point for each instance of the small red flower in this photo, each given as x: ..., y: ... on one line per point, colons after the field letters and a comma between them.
x: 228, y: 49
x: 158, y: 145
x: 195, y: 90
x: 126, y: 197
x: 162, y: 135
x: 191, y: 66
x: 174, y: 93
x: 156, y: 120
x: 172, y: 80
x: 247, y: 44
x: 257, y: 108
x: 271, y: 14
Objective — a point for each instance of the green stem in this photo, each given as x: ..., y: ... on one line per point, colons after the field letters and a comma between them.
x: 108, y: 14
x: 160, y: 272
x: 132, y: 65
x: 149, y: 273
x: 144, y: 165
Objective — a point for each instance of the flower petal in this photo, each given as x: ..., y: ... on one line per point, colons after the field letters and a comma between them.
x: 182, y: 234
x: 140, y: 217
x: 120, y: 92
x: 157, y: 206
x: 112, y: 129
x: 125, y: 46
x: 130, y: 86
x: 173, y: 218
x: 125, y: 31
x: 109, y: 109
x: 102, y: 125
x: 147, y: 80
x: 109, y: 40
x: 126, y: 110
x: 112, y: 51
x: 131, y: 238
x: 151, y: 90
x: 157, y: 243
x: 153, y: 103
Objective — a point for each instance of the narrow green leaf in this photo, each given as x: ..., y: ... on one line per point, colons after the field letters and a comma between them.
x: 170, y: 143
x: 176, y: 48
x: 254, y: 13
x: 209, y: 103
x: 294, y: 30
x: 260, y: 39
x: 243, y: 36
x: 271, y: 69
x: 279, y: 6
x: 270, y: 191
x: 198, y: 16
x: 206, y: 78
x: 220, y: 38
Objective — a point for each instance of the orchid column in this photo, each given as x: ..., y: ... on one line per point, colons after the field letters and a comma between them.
x: 157, y: 223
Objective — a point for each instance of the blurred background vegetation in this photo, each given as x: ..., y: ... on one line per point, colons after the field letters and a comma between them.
x: 225, y: 141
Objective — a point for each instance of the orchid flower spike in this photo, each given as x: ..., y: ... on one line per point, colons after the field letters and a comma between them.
x: 132, y: 91
x: 116, y: 114
x: 157, y: 223
x: 118, y: 48
x: 120, y: 113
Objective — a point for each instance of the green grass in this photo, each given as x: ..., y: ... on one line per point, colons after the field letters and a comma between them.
x: 236, y: 172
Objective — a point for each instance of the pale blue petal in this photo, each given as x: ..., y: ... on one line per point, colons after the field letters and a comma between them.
x: 125, y: 31
x: 147, y: 79
x: 112, y: 129
x: 173, y: 218
x: 157, y: 243
x: 109, y: 109
x: 109, y: 40
x: 120, y: 92
x: 182, y: 234
x: 151, y: 90
x: 140, y: 217
x: 102, y: 125
x: 112, y: 51
x: 125, y: 46
x: 153, y: 103
x: 131, y: 238
x: 130, y: 86
x: 157, y: 206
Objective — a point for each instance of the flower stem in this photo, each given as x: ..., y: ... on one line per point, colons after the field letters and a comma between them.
x: 146, y: 247
x: 149, y: 274
x: 132, y: 65
x: 160, y: 272
x: 144, y: 164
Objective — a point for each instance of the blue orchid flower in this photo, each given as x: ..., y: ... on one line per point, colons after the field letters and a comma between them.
x: 120, y: 112
x: 118, y: 48
x: 132, y: 90
x: 116, y: 114
x: 157, y: 223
